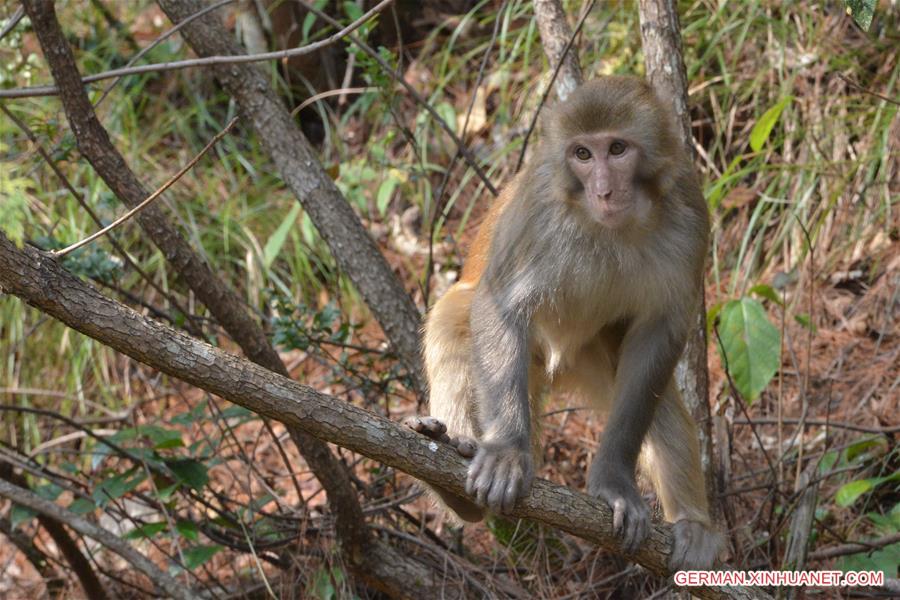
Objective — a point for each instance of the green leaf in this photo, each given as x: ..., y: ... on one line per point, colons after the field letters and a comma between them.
x: 123, y: 435
x: 447, y: 113
x: 48, y: 491
x: 862, y: 12
x: 188, y: 530
x: 711, y: 316
x: 850, y: 492
x: 160, y: 437
x: 828, y: 461
x: 750, y: 346
x: 190, y: 472
x: 165, y: 493
x: 82, y: 506
x: 118, y: 485
x: 277, y: 239
x: 191, y: 416
x: 353, y: 11
x: 196, y: 556
x: 20, y: 514
x: 385, y: 192
x: 145, y: 531
x: 767, y: 292
x: 858, y: 451
x: 236, y: 412
x: 885, y: 560
x: 884, y: 524
x: 323, y: 583
x: 766, y: 122
x: 311, y: 18
x: 804, y: 320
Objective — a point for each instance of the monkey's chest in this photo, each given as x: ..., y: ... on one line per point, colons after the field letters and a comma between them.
x: 562, y: 330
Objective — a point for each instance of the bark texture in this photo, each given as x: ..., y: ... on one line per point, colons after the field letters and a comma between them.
x: 350, y: 244
x: 555, y: 35
x: 664, y: 63
x: 39, y: 280
x: 664, y: 60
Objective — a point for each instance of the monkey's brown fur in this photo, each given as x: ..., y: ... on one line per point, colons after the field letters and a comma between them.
x: 584, y: 277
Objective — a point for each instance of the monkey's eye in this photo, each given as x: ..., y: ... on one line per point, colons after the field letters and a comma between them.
x: 582, y: 153
x: 617, y: 147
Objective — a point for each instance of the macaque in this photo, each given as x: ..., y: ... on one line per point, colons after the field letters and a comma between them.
x: 584, y: 278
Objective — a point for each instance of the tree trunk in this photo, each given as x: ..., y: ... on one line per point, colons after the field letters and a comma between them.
x: 664, y: 62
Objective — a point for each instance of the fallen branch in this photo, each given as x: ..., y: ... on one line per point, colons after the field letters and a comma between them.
x: 38, y: 279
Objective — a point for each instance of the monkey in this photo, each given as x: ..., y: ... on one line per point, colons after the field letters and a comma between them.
x: 585, y: 278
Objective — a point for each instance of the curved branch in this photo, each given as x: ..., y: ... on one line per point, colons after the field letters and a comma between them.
x: 39, y: 280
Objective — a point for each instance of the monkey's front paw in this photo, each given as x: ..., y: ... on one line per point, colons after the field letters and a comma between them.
x: 631, y: 517
x: 499, y: 474
x: 697, y: 546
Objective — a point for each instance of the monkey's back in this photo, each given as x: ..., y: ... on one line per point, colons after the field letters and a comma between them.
x: 477, y: 258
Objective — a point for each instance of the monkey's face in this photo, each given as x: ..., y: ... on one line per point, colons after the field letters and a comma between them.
x: 606, y: 165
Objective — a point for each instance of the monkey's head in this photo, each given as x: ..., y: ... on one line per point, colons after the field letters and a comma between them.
x: 613, y: 142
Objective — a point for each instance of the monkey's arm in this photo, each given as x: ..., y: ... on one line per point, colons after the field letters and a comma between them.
x: 502, y: 468
x: 647, y: 358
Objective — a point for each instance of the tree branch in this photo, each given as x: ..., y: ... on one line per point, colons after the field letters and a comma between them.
x: 350, y: 244
x: 55, y: 585
x: 52, y: 90
x: 556, y: 38
x: 664, y: 63
x: 159, y: 578
x: 357, y: 541
x: 39, y: 280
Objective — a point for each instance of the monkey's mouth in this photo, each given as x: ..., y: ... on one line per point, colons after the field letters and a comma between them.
x: 607, y: 208
x: 609, y: 214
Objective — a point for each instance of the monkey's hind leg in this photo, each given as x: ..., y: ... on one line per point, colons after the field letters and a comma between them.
x: 451, y: 400
x: 671, y: 458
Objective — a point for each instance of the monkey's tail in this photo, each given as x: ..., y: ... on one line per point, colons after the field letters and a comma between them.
x: 448, y: 340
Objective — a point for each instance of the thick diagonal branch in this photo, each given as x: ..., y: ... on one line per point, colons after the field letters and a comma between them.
x: 42, y: 282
